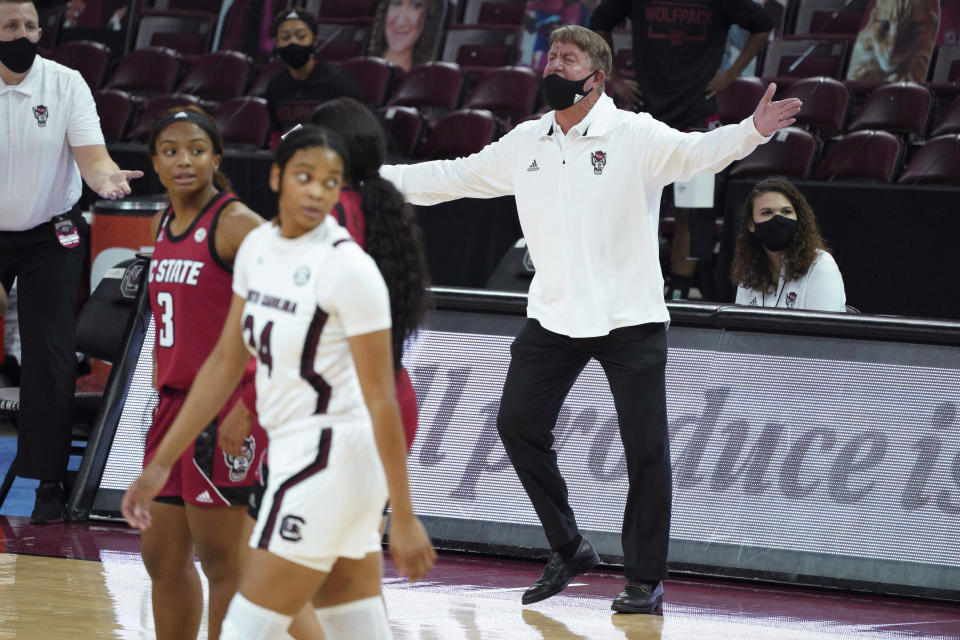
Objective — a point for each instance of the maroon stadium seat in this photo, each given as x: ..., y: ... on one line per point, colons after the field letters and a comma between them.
x: 339, y: 42
x: 509, y: 92
x: 898, y: 107
x: 147, y: 72
x: 154, y: 108
x: 477, y: 48
x: 116, y: 109
x: 217, y: 76
x: 433, y: 87
x: 265, y: 72
x: 945, y: 77
x: 244, y: 121
x: 825, y: 103
x: 499, y: 12
x: 862, y: 155
x: 804, y: 58
x: 207, y: 6
x: 351, y: 10
x: 947, y: 65
x: 950, y: 120
x: 405, y: 126
x: 502, y: 13
x: 790, y: 153
x: 189, y: 32
x: 91, y: 59
x: 740, y: 99
x: 459, y: 134
x: 936, y: 162
x: 373, y: 76
x: 817, y: 17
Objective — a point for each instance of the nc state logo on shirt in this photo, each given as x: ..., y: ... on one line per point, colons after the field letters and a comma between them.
x: 41, y: 113
x: 599, y: 160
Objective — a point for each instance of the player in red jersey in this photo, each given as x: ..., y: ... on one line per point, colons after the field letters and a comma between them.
x: 202, y: 505
x: 362, y: 197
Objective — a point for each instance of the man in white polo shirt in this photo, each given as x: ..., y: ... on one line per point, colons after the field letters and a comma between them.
x: 49, y: 137
x: 587, y: 178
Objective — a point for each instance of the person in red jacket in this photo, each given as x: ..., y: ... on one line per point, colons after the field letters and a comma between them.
x: 202, y: 505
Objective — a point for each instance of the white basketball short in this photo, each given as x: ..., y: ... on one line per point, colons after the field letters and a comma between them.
x: 324, y: 498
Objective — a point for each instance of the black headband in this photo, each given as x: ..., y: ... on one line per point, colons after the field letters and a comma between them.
x: 303, y: 16
x: 185, y: 114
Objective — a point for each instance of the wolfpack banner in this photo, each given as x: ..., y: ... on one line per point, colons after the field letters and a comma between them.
x: 804, y: 454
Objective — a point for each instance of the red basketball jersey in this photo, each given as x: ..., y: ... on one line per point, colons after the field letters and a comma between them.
x: 349, y: 213
x: 190, y: 294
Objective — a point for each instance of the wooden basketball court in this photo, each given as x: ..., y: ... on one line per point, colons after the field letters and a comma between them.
x: 86, y: 580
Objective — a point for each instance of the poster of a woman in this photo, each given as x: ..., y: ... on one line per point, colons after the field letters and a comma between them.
x: 407, y: 32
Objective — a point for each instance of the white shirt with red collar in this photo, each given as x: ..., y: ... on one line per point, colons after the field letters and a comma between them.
x: 589, y: 206
x: 50, y: 111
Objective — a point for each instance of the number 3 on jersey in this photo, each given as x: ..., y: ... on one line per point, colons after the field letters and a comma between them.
x: 263, y: 350
x: 165, y: 337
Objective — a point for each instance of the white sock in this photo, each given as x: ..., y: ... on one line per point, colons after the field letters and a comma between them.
x: 364, y: 619
x: 248, y: 621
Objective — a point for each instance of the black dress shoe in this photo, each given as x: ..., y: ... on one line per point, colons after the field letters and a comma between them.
x: 640, y: 598
x: 50, y: 504
x: 559, y: 572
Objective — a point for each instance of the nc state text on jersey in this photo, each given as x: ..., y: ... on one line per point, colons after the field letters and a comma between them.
x: 175, y: 271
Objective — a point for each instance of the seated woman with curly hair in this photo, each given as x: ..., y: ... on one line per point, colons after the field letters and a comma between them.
x: 780, y: 259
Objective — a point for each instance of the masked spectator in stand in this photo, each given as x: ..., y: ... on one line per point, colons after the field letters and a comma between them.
x: 781, y: 259
x: 295, y: 92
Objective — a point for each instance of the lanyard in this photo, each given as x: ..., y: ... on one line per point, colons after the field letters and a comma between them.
x: 780, y: 289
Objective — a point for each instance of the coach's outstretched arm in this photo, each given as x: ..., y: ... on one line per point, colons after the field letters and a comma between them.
x: 485, y: 174
x: 675, y: 156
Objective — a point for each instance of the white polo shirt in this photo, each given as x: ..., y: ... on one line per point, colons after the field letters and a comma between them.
x: 819, y: 289
x: 589, y: 206
x: 50, y: 111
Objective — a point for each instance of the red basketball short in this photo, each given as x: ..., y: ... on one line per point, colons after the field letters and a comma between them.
x: 204, y: 475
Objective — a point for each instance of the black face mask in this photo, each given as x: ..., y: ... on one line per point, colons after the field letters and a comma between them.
x: 777, y: 233
x: 295, y: 55
x: 18, y: 55
x: 561, y: 93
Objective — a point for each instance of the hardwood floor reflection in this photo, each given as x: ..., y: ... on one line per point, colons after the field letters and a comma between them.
x: 107, y: 595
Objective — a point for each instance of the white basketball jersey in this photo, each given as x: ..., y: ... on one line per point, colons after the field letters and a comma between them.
x: 304, y: 297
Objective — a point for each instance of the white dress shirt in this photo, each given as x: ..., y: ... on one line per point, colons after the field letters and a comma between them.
x: 819, y: 289
x: 50, y: 111
x: 589, y: 206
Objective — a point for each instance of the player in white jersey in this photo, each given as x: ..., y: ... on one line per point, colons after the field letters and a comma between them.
x: 314, y: 309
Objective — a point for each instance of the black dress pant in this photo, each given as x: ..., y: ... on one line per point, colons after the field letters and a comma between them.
x: 543, y: 367
x: 48, y: 280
